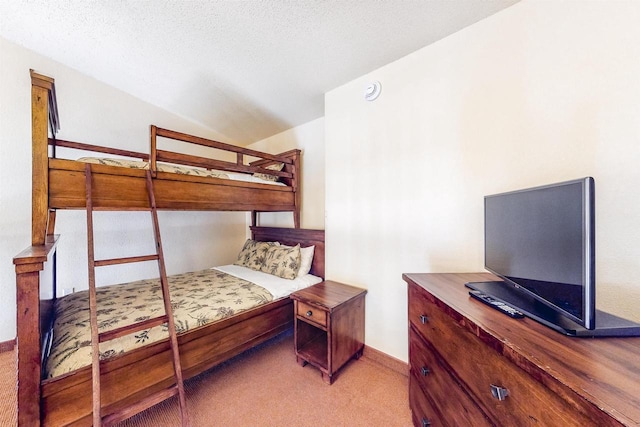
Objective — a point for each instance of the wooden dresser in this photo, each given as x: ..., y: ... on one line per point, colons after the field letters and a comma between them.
x: 472, y: 365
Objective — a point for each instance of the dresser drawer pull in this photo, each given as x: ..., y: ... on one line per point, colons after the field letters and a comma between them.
x: 423, y: 318
x: 309, y: 313
x: 425, y: 371
x: 426, y: 422
x: 498, y: 392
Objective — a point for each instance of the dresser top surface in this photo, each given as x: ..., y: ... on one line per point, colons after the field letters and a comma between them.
x: 605, y: 371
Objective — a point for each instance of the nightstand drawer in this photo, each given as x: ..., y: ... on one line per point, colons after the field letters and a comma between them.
x: 313, y: 314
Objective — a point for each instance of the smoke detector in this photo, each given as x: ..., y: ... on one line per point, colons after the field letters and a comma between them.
x: 372, y: 91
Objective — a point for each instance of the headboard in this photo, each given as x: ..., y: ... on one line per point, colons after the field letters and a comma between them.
x: 293, y: 236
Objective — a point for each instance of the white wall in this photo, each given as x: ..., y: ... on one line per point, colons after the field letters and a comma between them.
x: 539, y: 93
x: 98, y: 114
x: 309, y: 138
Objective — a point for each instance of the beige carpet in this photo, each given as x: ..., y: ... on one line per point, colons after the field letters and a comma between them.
x: 266, y: 387
x: 8, y: 405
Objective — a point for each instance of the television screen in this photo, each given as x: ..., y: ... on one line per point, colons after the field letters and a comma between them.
x: 541, y: 240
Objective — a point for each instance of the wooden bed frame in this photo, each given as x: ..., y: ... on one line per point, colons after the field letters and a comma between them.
x: 66, y: 400
x: 60, y: 184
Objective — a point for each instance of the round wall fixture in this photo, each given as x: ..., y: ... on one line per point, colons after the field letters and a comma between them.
x: 372, y: 91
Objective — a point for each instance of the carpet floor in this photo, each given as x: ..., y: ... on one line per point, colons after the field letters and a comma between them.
x: 266, y: 387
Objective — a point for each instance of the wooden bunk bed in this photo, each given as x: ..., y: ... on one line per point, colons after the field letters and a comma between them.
x: 59, y: 184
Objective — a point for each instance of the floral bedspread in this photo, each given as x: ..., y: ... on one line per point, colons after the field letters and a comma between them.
x: 162, y: 167
x: 197, y: 298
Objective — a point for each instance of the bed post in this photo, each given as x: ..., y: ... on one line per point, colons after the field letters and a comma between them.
x: 28, y: 343
x: 28, y: 265
x: 30, y: 262
x: 153, y: 155
x: 296, y: 187
x: 41, y: 89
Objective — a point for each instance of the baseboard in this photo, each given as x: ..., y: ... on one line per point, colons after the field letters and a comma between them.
x: 385, y: 360
x: 7, y: 345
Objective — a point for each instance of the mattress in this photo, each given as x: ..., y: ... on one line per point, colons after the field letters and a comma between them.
x: 179, y: 169
x: 197, y: 298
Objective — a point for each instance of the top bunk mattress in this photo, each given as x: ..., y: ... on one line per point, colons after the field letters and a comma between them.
x: 184, y: 170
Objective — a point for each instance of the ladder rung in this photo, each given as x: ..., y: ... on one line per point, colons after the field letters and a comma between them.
x: 114, y: 261
x: 129, y: 329
x: 140, y: 406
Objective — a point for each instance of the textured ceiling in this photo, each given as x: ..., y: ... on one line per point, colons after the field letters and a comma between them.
x: 248, y: 69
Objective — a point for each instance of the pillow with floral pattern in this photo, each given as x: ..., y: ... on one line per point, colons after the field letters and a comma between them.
x: 282, y: 262
x: 267, y: 177
x: 252, y: 254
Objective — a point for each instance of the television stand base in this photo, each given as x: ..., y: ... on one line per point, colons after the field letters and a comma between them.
x: 607, y: 325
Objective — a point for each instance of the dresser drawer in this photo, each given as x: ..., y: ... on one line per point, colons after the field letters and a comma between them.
x: 422, y: 411
x: 311, y: 313
x: 445, y: 392
x: 481, y: 368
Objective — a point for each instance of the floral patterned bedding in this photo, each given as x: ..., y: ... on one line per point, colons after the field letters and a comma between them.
x: 197, y: 299
x: 187, y: 170
x: 162, y: 167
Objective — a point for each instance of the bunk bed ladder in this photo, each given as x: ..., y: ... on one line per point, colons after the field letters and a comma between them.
x: 97, y: 337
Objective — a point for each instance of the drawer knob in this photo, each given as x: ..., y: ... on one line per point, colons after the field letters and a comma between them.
x: 309, y: 313
x: 425, y: 371
x: 426, y: 422
x: 423, y: 319
x: 498, y: 392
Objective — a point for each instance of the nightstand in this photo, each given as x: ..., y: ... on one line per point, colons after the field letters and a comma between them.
x: 329, y: 326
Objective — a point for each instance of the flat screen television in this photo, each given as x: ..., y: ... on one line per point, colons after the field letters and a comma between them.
x: 541, y: 243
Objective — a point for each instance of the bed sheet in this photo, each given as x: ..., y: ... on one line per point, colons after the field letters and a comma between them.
x: 277, y: 286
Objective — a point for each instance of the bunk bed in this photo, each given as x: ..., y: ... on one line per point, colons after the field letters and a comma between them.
x: 60, y: 184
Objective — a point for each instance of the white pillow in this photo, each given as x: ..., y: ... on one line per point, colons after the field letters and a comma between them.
x: 306, y: 258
